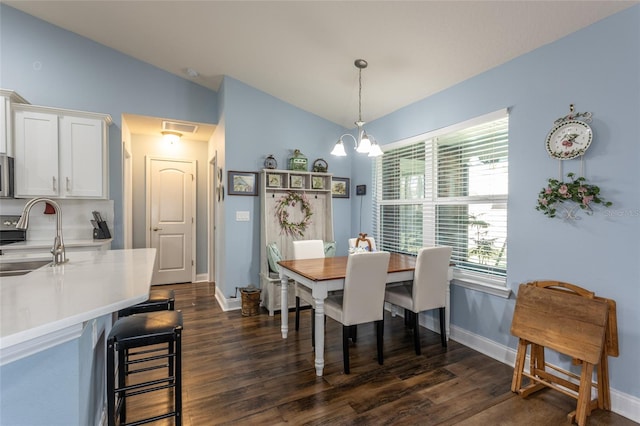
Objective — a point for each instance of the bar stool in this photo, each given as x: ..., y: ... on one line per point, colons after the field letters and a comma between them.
x: 159, y: 300
x: 138, y: 331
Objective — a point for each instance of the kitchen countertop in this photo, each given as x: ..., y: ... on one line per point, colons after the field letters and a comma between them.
x: 50, y: 305
x: 47, y: 244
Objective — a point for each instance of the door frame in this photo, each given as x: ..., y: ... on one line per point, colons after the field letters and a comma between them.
x: 212, y: 193
x: 147, y: 192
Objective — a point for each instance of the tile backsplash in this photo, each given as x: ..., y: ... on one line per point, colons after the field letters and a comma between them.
x: 76, y: 216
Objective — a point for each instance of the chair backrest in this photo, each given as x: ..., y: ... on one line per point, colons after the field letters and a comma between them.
x: 354, y: 241
x: 308, y: 249
x: 431, y: 278
x: 364, y: 285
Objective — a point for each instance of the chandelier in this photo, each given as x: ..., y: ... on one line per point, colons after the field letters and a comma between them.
x: 365, y: 143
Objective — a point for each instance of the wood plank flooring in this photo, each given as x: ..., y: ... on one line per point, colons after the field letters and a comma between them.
x: 239, y: 370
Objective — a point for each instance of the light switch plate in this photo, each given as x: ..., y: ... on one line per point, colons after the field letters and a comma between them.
x: 242, y: 216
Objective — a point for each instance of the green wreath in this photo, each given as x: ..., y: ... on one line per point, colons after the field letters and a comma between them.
x: 290, y: 200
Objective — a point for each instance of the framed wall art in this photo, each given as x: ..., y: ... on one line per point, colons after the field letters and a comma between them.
x: 297, y: 181
x: 340, y: 187
x: 242, y: 183
x: 274, y: 180
x: 317, y: 182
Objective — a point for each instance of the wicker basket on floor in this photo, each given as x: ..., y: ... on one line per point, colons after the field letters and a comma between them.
x: 250, y: 301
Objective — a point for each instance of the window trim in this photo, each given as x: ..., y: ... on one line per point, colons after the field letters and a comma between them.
x: 496, y: 286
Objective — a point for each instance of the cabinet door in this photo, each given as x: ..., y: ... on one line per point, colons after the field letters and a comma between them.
x: 36, y: 154
x: 4, y: 125
x: 82, y: 157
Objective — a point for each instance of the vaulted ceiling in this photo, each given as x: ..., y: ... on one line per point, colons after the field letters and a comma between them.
x: 303, y: 51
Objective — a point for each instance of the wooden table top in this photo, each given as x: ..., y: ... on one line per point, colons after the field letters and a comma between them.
x: 330, y: 268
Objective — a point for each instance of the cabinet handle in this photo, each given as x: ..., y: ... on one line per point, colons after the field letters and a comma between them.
x: 55, y: 188
x: 157, y: 229
x: 68, y: 184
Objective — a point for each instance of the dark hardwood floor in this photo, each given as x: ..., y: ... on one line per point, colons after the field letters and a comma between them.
x: 239, y: 370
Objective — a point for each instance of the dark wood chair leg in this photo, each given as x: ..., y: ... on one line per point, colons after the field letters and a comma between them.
x: 345, y: 348
x: 443, y: 331
x: 406, y: 318
x: 354, y: 333
x: 380, y: 340
x: 297, y: 313
x: 416, y: 332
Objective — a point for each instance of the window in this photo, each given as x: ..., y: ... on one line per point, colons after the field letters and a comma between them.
x: 448, y: 187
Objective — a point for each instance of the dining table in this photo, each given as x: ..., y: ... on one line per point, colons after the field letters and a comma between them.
x: 323, y: 275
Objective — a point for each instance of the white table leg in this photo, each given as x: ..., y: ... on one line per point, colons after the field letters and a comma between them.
x: 284, y: 305
x: 319, y: 336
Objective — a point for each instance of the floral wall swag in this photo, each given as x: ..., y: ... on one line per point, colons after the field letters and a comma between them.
x: 577, y: 191
x: 291, y: 199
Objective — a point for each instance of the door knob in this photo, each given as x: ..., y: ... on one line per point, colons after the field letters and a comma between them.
x: 157, y: 229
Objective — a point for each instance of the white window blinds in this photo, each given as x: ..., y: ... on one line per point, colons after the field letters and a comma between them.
x: 448, y: 188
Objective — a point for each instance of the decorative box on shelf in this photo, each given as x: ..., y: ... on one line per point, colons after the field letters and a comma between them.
x: 298, y: 161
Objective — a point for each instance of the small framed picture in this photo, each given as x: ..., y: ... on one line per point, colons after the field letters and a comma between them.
x: 242, y: 183
x: 297, y: 181
x: 317, y: 182
x: 274, y: 180
x: 340, y: 187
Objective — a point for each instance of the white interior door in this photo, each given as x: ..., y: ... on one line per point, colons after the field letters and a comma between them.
x: 171, y: 218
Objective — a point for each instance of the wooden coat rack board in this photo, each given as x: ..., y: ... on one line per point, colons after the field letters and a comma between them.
x: 574, y: 322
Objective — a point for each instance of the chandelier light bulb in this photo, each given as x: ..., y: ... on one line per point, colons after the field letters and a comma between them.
x: 338, y: 150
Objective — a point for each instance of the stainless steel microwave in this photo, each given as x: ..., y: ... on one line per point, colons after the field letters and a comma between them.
x: 6, y: 176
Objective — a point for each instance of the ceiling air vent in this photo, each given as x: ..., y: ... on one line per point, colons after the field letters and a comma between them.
x: 174, y: 126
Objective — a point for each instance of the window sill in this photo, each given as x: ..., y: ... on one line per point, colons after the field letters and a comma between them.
x: 493, y: 286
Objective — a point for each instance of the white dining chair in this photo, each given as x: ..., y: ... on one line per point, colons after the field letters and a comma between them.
x: 427, y: 291
x: 362, y: 299
x: 306, y: 249
x: 355, y: 242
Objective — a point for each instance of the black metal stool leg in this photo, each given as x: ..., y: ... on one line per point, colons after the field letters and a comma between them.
x: 111, y: 385
x: 178, y: 379
x: 121, y: 400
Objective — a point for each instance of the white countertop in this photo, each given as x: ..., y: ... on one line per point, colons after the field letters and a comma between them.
x: 51, y: 303
x: 47, y: 244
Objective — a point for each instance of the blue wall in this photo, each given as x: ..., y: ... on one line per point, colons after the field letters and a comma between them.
x: 598, y: 70
x: 256, y: 125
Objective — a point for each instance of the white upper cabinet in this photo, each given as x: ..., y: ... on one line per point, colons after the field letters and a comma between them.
x: 7, y: 99
x: 60, y: 153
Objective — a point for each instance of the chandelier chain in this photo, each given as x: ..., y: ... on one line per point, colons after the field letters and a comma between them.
x: 360, y: 94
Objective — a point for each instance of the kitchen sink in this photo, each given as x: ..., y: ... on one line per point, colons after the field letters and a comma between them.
x: 9, y: 269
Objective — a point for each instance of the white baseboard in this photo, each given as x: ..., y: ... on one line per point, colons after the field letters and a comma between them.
x: 200, y: 278
x: 621, y: 403
x: 228, y: 304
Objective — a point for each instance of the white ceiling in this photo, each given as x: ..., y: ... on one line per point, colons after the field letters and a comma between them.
x: 303, y: 51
